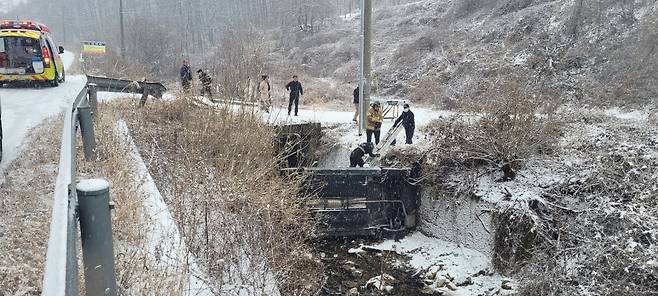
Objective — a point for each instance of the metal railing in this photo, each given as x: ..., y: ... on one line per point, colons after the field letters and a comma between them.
x: 61, y: 271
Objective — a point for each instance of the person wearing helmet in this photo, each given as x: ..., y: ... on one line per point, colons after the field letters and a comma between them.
x: 374, y: 119
x: 356, y: 157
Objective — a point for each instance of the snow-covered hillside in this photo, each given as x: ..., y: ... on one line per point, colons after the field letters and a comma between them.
x: 440, y: 51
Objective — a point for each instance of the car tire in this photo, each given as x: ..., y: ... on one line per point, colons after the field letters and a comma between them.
x: 55, y: 81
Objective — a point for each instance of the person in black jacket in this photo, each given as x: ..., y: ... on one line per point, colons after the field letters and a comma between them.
x: 356, y: 157
x: 295, y: 88
x: 185, y: 75
x: 408, y: 122
x: 355, y: 94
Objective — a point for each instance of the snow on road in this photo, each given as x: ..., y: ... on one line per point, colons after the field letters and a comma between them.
x: 25, y: 108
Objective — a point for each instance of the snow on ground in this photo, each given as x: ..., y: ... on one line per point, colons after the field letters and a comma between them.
x: 454, y: 269
x: 25, y: 108
x: 164, y: 240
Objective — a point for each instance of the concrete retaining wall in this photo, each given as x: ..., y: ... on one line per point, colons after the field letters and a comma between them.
x: 460, y: 220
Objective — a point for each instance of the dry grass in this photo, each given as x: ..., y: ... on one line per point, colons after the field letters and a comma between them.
x: 217, y: 170
x: 25, y: 206
x: 137, y: 272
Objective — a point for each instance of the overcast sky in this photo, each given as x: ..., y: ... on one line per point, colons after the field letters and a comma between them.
x: 7, y: 4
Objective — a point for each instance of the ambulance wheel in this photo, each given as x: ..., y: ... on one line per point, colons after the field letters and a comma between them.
x: 55, y: 81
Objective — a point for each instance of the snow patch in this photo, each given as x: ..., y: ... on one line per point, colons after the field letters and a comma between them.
x: 92, y: 185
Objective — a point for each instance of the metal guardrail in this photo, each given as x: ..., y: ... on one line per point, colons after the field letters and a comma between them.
x: 61, y: 271
x: 146, y: 88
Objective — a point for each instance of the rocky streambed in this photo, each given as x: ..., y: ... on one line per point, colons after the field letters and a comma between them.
x: 414, y: 265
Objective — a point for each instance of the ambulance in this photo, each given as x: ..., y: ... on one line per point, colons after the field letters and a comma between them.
x: 28, y: 54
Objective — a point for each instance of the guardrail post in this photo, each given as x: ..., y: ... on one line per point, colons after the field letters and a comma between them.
x: 92, y: 90
x: 96, y: 233
x: 87, y: 130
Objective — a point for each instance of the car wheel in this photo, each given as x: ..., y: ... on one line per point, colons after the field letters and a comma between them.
x: 55, y: 81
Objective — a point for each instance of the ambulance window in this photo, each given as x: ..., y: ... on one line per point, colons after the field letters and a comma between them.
x: 2, y: 44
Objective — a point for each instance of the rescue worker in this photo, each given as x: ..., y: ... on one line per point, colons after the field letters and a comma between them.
x: 356, y: 157
x: 185, y: 75
x: 295, y: 88
x: 355, y: 94
x: 206, y: 83
x: 374, y: 120
x: 264, y: 91
x: 408, y: 122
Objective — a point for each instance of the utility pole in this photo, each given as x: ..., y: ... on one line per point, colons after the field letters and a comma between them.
x: 366, y: 62
x: 123, y: 44
x: 63, y: 28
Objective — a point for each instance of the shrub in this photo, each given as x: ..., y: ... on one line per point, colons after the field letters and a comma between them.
x: 505, y: 127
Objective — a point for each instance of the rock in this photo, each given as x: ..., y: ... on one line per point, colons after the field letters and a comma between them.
x: 353, y: 292
x: 451, y: 286
x: 463, y: 280
x: 376, y: 282
x: 506, y: 285
x: 431, y: 273
x: 480, y: 273
x: 440, y: 281
x: 351, y: 284
x: 429, y: 291
x: 356, y: 273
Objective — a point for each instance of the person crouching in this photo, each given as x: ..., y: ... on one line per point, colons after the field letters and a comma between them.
x: 356, y: 158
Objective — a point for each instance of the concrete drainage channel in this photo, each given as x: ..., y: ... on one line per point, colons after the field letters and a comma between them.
x: 358, y: 207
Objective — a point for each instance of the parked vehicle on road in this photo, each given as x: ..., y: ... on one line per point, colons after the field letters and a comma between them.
x: 29, y: 54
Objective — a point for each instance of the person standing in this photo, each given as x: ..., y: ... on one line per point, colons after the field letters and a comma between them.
x: 185, y: 75
x: 408, y: 122
x: 356, y: 157
x: 295, y: 88
x: 374, y: 120
x: 206, y: 83
x: 264, y: 91
x: 355, y: 94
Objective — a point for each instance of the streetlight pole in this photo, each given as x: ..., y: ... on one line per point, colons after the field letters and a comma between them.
x: 366, y: 62
x: 123, y: 45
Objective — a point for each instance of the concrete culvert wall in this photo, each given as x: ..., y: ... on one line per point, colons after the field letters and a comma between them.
x: 458, y: 219
x: 337, y: 156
